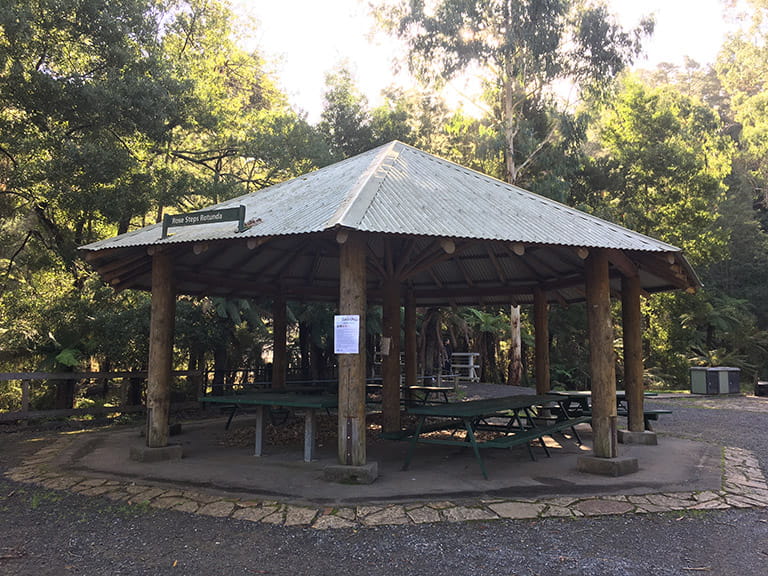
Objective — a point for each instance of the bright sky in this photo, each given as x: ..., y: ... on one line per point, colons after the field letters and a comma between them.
x: 305, y: 39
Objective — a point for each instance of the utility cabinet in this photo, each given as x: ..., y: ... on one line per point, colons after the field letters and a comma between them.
x: 715, y: 380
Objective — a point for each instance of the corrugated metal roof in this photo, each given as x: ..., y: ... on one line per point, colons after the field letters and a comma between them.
x: 397, y: 189
x: 508, y: 242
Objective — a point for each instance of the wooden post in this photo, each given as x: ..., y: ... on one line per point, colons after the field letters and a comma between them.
x: 601, y: 361
x: 411, y: 345
x: 279, y: 343
x: 25, y: 396
x: 352, y: 301
x: 541, y: 336
x: 633, y: 351
x: 161, y: 330
x: 390, y: 359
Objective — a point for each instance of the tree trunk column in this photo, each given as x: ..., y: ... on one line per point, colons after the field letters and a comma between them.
x: 352, y: 301
x: 279, y: 344
x: 390, y: 359
x: 161, y: 330
x: 541, y: 337
x: 601, y: 361
x: 633, y: 352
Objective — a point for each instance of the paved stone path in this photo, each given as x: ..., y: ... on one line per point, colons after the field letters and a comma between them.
x: 743, y: 486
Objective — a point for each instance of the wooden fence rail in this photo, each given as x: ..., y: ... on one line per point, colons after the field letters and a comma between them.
x: 27, y: 378
x: 201, y: 378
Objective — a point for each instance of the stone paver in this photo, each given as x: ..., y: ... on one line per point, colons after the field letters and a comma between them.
x: 743, y: 486
x: 517, y: 509
x: 423, y: 515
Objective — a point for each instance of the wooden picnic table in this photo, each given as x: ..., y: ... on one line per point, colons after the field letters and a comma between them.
x: 418, y: 394
x: 513, y: 417
x: 310, y: 403
x: 580, y: 402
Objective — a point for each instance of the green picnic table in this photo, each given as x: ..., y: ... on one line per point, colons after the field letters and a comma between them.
x: 513, y: 417
x: 310, y: 403
x: 580, y: 402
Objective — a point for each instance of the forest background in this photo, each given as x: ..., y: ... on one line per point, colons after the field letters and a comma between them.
x: 113, y: 113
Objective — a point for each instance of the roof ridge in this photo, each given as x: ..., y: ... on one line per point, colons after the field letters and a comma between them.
x: 351, y: 212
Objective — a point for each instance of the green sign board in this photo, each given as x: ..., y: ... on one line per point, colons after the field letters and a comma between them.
x: 236, y: 214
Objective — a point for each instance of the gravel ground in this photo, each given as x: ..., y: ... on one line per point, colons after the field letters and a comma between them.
x: 46, y: 532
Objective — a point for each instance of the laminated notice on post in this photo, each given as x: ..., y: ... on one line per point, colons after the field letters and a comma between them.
x: 346, y: 334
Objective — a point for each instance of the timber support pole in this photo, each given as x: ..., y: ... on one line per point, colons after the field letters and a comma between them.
x: 390, y: 359
x: 633, y: 352
x: 352, y: 301
x: 541, y: 341
x: 161, y: 331
x: 279, y: 344
x: 411, y: 344
x: 601, y: 360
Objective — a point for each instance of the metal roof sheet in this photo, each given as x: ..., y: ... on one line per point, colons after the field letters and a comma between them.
x: 398, y: 189
x: 507, y: 241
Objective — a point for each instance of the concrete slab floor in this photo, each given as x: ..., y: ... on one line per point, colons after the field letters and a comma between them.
x: 436, y: 472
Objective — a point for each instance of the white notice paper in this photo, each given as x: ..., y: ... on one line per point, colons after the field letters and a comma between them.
x: 346, y: 334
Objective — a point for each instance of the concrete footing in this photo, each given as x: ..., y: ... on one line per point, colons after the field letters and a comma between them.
x: 645, y: 437
x: 162, y: 454
x: 364, y: 474
x: 620, y: 466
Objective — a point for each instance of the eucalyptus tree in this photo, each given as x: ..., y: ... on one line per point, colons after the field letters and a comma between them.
x: 524, y: 49
x: 661, y: 163
x: 742, y: 67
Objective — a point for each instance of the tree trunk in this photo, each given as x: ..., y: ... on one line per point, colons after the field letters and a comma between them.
x: 304, y: 338
x: 515, y: 347
x: 65, y: 394
x: 279, y: 345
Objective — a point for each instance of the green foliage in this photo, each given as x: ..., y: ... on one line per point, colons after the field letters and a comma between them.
x: 666, y: 161
x: 345, y: 120
x: 522, y: 49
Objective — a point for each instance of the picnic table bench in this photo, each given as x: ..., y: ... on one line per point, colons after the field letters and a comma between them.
x: 521, y: 428
x: 419, y: 394
x: 580, y: 404
x: 309, y: 403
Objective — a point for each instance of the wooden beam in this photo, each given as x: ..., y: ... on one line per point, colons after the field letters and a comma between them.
x: 161, y: 329
x: 495, y: 261
x: 581, y: 252
x: 122, y: 263
x: 404, y: 257
x: 124, y: 283
x: 633, y: 351
x: 127, y: 269
x: 659, y: 267
x: 315, y: 266
x: 431, y: 259
x: 352, y: 301
x: 621, y: 261
x: 601, y: 360
x: 374, y: 265
x: 435, y: 279
x: 463, y: 269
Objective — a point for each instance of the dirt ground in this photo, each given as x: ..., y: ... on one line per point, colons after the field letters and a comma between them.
x: 49, y: 532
